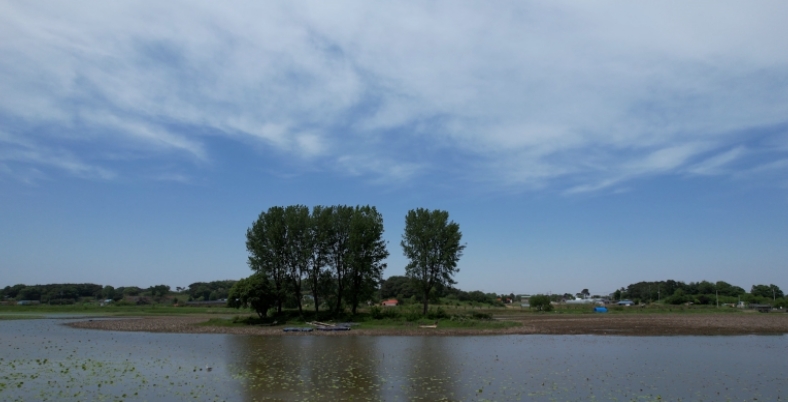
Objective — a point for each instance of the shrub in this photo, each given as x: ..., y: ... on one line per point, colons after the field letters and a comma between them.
x: 540, y: 303
x: 438, y: 314
x: 379, y: 313
x: 481, y: 316
x: 413, y: 314
x: 141, y: 301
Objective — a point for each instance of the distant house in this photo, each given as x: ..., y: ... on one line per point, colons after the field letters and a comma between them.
x: 626, y: 303
x: 390, y: 303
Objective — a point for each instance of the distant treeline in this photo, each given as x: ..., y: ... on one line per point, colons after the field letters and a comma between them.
x: 399, y: 287
x: 207, y: 291
x: 402, y: 289
x: 67, y: 293
x: 703, y: 292
x: 64, y: 293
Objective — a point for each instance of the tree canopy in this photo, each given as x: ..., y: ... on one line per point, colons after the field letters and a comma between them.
x: 540, y: 303
x: 336, y: 253
x: 432, y: 244
x: 768, y: 291
x: 254, y: 292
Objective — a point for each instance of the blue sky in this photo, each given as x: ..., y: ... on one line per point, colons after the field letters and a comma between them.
x: 577, y: 145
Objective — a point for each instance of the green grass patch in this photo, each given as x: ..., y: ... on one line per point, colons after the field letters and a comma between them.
x: 18, y: 317
x: 407, y: 320
x: 113, y: 309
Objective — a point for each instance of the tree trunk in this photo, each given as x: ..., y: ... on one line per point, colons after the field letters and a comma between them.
x: 297, y: 291
x: 313, y: 284
x: 354, y: 289
x: 340, y: 289
x: 426, y: 301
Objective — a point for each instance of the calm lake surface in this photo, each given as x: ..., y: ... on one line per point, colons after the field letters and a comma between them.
x: 43, y: 360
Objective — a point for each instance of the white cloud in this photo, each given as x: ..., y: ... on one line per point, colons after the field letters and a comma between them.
x: 716, y: 164
x: 780, y: 164
x: 61, y: 160
x: 387, y: 170
x: 597, y: 93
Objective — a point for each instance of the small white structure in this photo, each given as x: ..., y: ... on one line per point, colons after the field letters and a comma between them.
x: 578, y: 300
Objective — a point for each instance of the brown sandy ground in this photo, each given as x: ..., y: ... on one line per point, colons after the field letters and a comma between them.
x: 608, y: 324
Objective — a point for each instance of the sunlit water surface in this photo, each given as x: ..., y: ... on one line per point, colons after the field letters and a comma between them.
x: 42, y: 360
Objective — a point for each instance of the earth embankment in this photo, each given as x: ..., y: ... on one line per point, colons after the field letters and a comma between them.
x: 557, y: 324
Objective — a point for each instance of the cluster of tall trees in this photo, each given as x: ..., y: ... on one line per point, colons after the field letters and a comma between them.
x: 335, y: 253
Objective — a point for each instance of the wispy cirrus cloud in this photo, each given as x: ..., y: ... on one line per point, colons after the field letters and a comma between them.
x: 584, y: 97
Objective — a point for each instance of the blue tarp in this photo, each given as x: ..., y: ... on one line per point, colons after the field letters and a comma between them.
x: 600, y: 309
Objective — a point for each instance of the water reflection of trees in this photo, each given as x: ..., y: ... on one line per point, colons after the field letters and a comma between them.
x: 307, y: 367
x: 344, y: 368
x: 419, y: 368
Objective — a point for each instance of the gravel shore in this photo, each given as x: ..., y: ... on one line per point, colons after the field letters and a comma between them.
x: 629, y: 324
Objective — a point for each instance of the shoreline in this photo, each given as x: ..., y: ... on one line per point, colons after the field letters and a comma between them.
x: 532, y: 324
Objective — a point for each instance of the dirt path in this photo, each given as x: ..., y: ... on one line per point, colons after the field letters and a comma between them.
x: 609, y: 324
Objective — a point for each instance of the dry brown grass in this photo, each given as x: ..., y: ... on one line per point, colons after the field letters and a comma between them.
x: 630, y: 324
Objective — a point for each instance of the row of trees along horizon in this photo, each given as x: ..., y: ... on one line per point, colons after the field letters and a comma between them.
x: 402, y: 289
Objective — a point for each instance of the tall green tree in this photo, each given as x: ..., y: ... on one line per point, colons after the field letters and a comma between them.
x: 367, y: 252
x: 339, y: 249
x: 266, y: 242
x: 298, y: 248
x: 320, y: 236
x: 432, y: 244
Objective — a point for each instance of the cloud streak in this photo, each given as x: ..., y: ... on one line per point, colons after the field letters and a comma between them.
x: 535, y: 95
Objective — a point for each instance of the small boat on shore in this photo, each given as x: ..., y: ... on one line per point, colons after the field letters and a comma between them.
x: 334, y: 328
x: 297, y: 329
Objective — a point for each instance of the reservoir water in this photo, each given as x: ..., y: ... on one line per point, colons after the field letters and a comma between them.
x: 43, y: 360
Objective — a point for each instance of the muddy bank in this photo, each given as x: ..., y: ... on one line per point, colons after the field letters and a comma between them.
x: 659, y: 324
x: 630, y: 324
